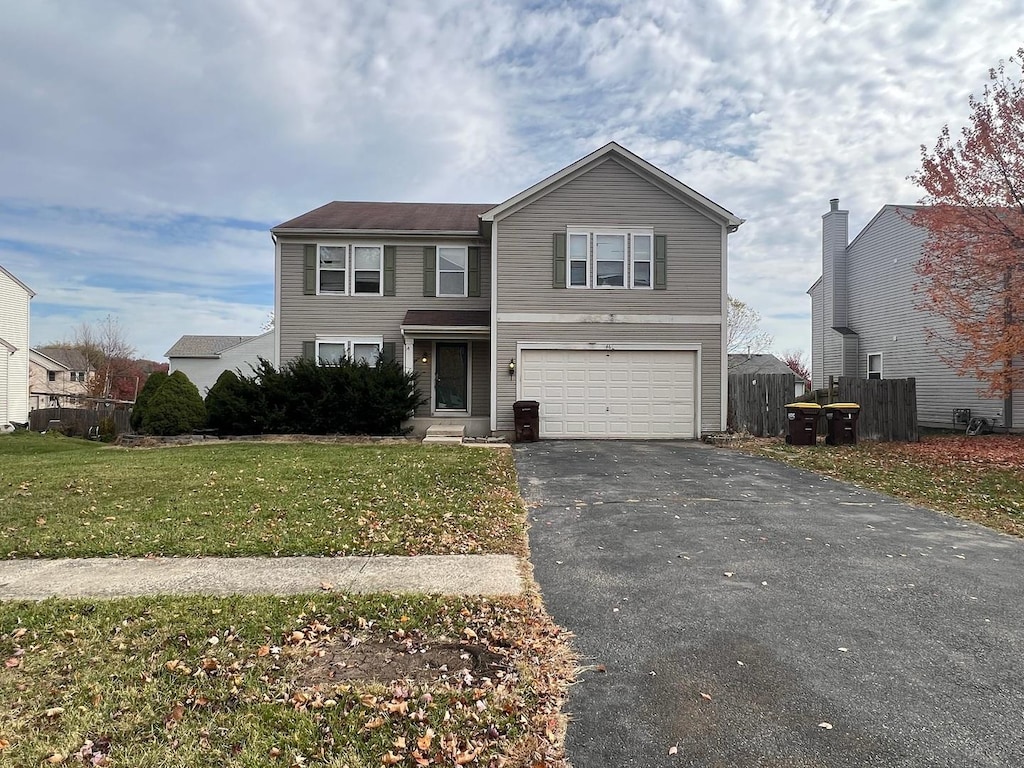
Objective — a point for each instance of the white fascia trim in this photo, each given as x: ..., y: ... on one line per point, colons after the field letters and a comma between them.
x: 426, y: 330
x: 570, y: 317
x: 277, y: 302
x: 723, y: 425
x: 494, y: 327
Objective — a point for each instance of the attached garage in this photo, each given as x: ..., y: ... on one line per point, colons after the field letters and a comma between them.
x: 612, y: 393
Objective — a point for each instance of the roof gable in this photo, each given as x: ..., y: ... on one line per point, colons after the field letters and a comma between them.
x: 204, y: 346
x: 635, y: 163
x: 66, y: 357
x: 757, y: 364
x: 28, y: 290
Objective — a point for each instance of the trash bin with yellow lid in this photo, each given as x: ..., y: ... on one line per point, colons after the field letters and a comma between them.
x: 841, y: 423
x: 803, y: 423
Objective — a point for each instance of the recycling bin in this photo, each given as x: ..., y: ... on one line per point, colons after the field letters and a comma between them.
x: 527, y: 420
x: 803, y: 423
x: 841, y: 423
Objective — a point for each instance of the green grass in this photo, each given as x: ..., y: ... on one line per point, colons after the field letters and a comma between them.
x: 203, y: 681
x: 72, y: 498
x: 979, y: 479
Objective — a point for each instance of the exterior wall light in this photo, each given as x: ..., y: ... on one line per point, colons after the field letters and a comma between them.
x: 512, y: 368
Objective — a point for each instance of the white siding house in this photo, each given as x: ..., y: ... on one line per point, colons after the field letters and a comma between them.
x: 866, y: 323
x: 14, y: 324
x: 204, y: 358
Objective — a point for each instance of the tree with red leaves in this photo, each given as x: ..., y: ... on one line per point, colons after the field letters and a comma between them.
x: 794, y: 358
x: 972, y: 267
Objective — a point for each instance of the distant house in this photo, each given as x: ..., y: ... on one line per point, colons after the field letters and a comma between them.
x: 865, y: 321
x: 599, y: 292
x: 204, y: 358
x: 58, y: 377
x: 14, y: 321
x: 764, y: 364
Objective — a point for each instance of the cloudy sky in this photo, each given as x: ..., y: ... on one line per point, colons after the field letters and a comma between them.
x: 146, y: 148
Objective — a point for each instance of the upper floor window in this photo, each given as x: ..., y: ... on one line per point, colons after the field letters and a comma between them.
x: 51, y: 375
x: 368, y: 271
x: 364, y: 263
x: 874, y: 366
x: 331, y: 269
x: 452, y: 266
x: 610, y: 258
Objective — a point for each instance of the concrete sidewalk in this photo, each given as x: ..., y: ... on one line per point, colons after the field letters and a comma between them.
x: 113, y: 577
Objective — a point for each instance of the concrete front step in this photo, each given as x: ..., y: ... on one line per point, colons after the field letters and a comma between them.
x: 441, y: 433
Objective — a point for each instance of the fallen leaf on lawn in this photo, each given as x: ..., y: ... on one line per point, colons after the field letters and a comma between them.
x: 56, y: 758
x: 469, y: 633
x: 13, y: 662
x: 390, y: 758
x: 274, y: 752
x: 826, y: 726
x: 175, y: 716
x: 673, y: 750
x: 54, y: 711
x: 263, y: 650
x: 467, y: 757
x: 4, y: 744
x: 399, y: 742
x: 326, y: 586
x: 706, y: 696
x: 377, y: 722
x: 19, y: 632
x: 423, y: 742
x: 728, y: 574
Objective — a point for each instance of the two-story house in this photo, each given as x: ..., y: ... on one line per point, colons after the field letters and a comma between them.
x: 14, y: 325
x: 58, y: 377
x: 599, y: 292
x: 866, y: 321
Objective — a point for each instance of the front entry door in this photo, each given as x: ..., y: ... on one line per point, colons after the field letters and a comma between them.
x: 451, y: 377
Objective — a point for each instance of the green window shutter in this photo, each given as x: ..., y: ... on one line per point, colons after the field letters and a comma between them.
x: 558, y: 263
x: 309, y: 350
x: 309, y: 271
x: 429, y: 270
x: 474, y: 271
x: 387, y: 352
x: 390, y: 254
x: 660, y: 265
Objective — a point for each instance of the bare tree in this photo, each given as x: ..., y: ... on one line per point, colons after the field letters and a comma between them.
x: 108, y: 351
x: 745, y: 332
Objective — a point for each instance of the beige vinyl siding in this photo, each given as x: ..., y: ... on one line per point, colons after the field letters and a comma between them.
x: 623, y: 334
x: 610, y: 195
x: 14, y: 321
x: 480, y: 361
x: 303, y: 317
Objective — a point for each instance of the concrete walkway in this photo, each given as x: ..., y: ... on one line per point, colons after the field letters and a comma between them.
x: 113, y: 577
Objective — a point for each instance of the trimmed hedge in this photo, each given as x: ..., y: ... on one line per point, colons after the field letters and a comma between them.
x: 347, y: 397
x: 176, y: 408
x: 153, y: 383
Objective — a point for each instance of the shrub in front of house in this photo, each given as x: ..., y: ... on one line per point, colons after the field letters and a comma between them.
x: 153, y: 383
x: 348, y: 397
x: 176, y: 408
x: 234, y: 405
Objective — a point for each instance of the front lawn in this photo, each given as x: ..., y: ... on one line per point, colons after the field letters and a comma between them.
x: 320, y: 680
x: 72, y: 498
x: 975, y: 478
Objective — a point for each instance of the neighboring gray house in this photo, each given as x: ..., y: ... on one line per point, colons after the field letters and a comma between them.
x: 600, y: 292
x: 204, y: 358
x: 743, y: 364
x: 865, y: 321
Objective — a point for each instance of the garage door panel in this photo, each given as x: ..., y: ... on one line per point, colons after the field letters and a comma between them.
x: 612, y: 393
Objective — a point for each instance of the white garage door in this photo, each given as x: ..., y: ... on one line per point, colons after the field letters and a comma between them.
x: 613, y: 393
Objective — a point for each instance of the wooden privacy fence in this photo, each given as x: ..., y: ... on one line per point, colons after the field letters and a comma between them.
x: 757, y: 400
x: 77, y: 421
x: 888, y: 407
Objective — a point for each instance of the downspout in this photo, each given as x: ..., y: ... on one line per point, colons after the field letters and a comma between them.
x: 277, y: 301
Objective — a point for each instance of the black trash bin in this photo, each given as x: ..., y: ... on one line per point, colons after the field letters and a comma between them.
x: 803, y: 423
x: 841, y: 423
x: 527, y: 420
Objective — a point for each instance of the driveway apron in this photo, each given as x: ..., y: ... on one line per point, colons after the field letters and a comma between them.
x: 730, y: 611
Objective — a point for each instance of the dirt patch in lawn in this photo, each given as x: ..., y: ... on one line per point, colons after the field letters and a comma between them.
x: 387, y: 662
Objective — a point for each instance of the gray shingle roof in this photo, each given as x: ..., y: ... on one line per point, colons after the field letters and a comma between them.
x: 757, y: 364
x: 203, y: 346
x: 72, y: 359
x: 447, y: 318
x: 392, y: 217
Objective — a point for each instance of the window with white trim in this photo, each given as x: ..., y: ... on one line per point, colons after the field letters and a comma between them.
x: 332, y: 269
x: 579, y: 260
x: 368, y: 269
x: 641, y: 261
x: 452, y: 269
x: 331, y: 349
x: 610, y: 258
x: 875, y: 366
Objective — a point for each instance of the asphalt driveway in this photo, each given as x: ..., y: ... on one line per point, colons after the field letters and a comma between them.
x: 730, y: 609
